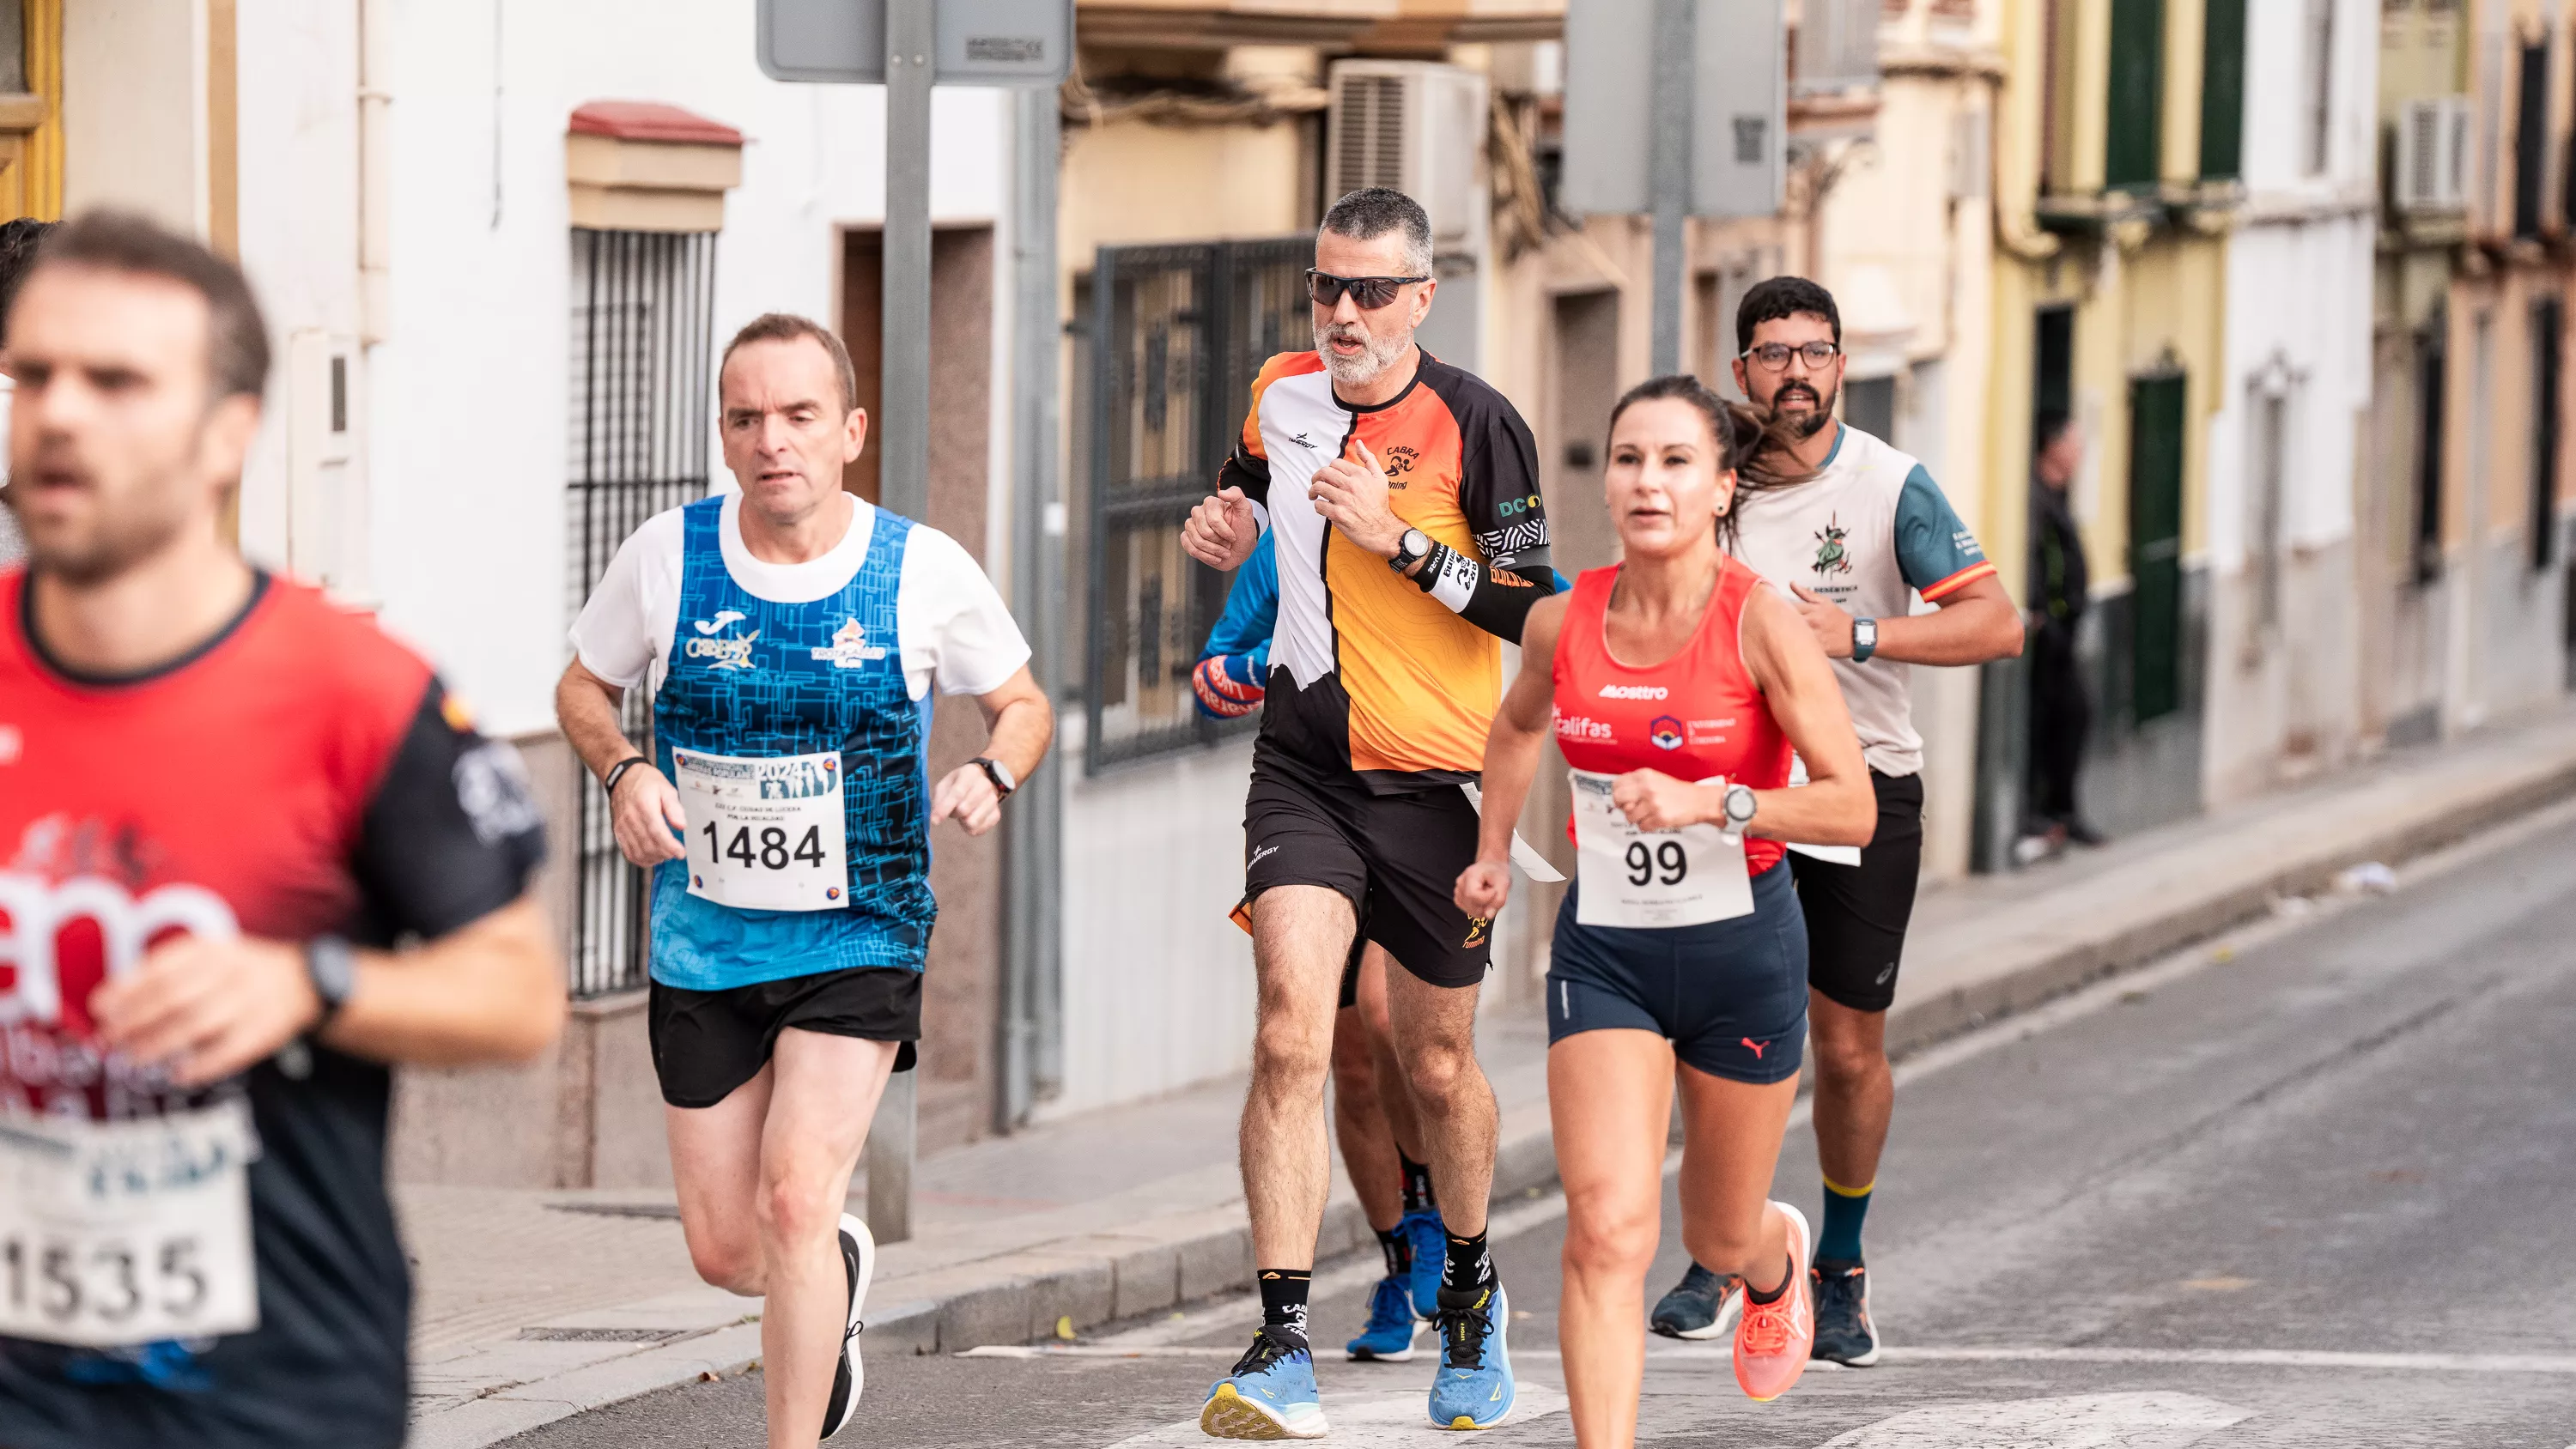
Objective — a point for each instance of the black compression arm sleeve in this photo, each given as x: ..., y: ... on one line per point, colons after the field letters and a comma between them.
x: 1495, y: 600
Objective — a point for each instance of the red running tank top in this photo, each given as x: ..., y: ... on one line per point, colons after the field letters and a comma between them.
x: 1692, y: 716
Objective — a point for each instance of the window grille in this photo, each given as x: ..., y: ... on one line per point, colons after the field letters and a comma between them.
x: 1177, y: 334
x: 641, y: 358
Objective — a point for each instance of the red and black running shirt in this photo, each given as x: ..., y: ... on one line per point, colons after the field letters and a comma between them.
x: 312, y: 777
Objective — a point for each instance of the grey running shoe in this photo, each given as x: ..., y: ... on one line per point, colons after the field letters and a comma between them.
x: 1844, y: 1333
x: 1702, y: 1305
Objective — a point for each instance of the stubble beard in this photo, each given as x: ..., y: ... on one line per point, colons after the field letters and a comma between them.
x: 1377, y: 354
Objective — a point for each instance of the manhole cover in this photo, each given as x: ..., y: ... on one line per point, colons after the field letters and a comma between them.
x: 599, y: 1335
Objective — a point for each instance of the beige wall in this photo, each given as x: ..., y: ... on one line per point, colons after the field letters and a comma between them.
x: 134, y: 101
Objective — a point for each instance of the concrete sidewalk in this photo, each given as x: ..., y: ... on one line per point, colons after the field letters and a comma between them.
x: 533, y: 1306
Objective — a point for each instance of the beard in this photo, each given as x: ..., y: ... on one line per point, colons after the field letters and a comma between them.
x: 1377, y: 354
x: 1820, y: 411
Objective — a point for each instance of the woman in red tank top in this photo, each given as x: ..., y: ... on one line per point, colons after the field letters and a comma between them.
x: 1676, y: 685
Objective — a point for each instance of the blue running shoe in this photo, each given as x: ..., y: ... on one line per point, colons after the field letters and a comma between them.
x: 1473, y: 1388
x: 1391, y: 1325
x: 1270, y: 1395
x: 1430, y: 1250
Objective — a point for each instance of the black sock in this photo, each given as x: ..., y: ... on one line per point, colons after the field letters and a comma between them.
x: 1398, y: 1247
x: 1283, y: 1302
x: 1417, y: 1184
x: 1468, y: 1266
x: 1774, y: 1295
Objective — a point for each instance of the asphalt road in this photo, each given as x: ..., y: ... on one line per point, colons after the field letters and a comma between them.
x: 2312, y: 1187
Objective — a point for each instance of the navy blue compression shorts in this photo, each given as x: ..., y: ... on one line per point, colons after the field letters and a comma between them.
x: 1731, y: 996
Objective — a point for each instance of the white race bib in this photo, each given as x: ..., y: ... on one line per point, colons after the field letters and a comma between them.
x: 765, y: 834
x: 121, y: 1233
x: 1633, y: 878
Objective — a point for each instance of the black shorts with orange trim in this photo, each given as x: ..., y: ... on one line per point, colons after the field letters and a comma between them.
x: 1395, y: 857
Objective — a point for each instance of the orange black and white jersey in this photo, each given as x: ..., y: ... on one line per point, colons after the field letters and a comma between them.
x: 1396, y: 678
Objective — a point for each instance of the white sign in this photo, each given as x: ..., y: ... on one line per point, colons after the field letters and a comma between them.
x: 981, y: 42
x: 119, y: 1233
x: 765, y: 834
x: 1646, y: 879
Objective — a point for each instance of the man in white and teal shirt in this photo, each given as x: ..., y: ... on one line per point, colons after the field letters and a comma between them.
x: 791, y: 634
x: 1856, y: 542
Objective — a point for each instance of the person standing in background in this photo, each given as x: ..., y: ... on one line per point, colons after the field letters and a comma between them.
x: 2060, y: 713
x: 18, y: 241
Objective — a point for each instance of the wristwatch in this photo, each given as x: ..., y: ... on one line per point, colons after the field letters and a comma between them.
x: 1410, y: 550
x: 1739, y: 808
x: 332, y: 966
x: 998, y: 773
x: 1864, y: 640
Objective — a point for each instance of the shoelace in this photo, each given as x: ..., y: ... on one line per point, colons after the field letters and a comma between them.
x: 1463, y: 1330
x: 1767, y: 1325
x: 1264, y: 1352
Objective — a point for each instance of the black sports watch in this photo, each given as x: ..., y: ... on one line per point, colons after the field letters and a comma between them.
x: 1410, y: 549
x: 998, y: 773
x: 331, y: 964
x: 1864, y: 640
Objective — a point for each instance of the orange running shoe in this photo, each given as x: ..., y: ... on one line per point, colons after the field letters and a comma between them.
x: 1773, y: 1339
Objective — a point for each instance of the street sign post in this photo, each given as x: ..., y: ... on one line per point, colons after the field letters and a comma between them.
x: 1706, y: 138
x: 908, y: 46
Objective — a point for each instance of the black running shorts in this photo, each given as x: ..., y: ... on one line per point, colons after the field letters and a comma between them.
x: 1731, y: 996
x: 1395, y: 858
x: 706, y: 1043
x: 1856, y: 914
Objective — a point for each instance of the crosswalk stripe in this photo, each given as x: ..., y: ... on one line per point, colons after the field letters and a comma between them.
x: 2081, y: 1421
x: 1394, y: 1421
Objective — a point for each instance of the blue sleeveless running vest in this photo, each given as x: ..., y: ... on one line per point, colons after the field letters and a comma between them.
x: 750, y: 676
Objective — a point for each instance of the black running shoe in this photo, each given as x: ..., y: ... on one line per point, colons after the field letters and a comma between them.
x: 859, y: 1261
x: 1702, y: 1305
x: 1844, y: 1333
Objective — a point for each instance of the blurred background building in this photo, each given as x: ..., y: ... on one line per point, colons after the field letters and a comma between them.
x: 2314, y: 330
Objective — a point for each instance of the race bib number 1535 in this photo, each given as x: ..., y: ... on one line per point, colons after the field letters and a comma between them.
x: 120, y: 1233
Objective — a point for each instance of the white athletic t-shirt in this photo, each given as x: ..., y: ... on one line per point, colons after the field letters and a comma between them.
x: 956, y: 631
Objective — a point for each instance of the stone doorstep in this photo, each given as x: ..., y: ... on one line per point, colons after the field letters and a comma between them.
x: 1102, y: 1277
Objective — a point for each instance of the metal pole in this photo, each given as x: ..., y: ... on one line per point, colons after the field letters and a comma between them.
x: 904, y: 429
x: 903, y: 461
x: 1032, y: 824
x: 1669, y: 171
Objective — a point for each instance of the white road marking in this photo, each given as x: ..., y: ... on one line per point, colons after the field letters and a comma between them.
x: 2082, y: 1421
x: 2304, y: 1358
x: 1395, y: 1421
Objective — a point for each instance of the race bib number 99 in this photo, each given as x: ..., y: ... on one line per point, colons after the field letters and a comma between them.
x: 1641, y: 879
x: 765, y: 834
x: 121, y: 1233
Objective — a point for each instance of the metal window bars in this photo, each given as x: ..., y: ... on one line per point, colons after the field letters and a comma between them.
x: 642, y: 359
x: 1177, y: 335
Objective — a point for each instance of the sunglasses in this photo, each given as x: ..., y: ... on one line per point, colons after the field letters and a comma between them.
x: 1370, y: 292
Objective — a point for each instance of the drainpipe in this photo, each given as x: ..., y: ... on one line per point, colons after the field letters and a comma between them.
x: 375, y: 170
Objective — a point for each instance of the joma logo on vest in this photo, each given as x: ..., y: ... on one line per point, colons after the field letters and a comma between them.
x: 725, y: 653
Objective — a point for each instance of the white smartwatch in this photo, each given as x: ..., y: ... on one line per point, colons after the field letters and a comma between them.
x: 1740, y: 806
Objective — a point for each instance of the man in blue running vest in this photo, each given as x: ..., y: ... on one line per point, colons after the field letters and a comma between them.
x: 791, y: 634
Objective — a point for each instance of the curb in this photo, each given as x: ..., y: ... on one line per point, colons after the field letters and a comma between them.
x: 1164, y: 1263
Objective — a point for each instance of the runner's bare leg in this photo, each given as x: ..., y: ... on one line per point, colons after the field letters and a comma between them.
x: 1435, y: 1038
x: 1301, y: 935
x: 715, y: 1165
x: 825, y: 1095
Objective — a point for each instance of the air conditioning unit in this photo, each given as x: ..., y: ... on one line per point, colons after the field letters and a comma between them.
x: 1419, y: 127
x: 1416, y: 126
x: 1836, y: 46
x: 2433, y: 155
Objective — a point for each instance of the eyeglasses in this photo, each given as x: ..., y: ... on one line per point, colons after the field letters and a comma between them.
x: 1774, y: 356
x: 1370, y: 292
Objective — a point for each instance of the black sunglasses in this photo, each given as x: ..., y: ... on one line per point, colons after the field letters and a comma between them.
x: 1370, y: 292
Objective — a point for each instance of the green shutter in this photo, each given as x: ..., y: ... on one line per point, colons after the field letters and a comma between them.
x: 2131, y: 157
x: 2155, y: 546
x: 2222, y: 92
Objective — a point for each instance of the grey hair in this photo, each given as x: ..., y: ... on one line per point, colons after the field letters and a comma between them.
x: 1373, y: 211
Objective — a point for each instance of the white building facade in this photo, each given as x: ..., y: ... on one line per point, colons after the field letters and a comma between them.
x: 2295, y: 394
